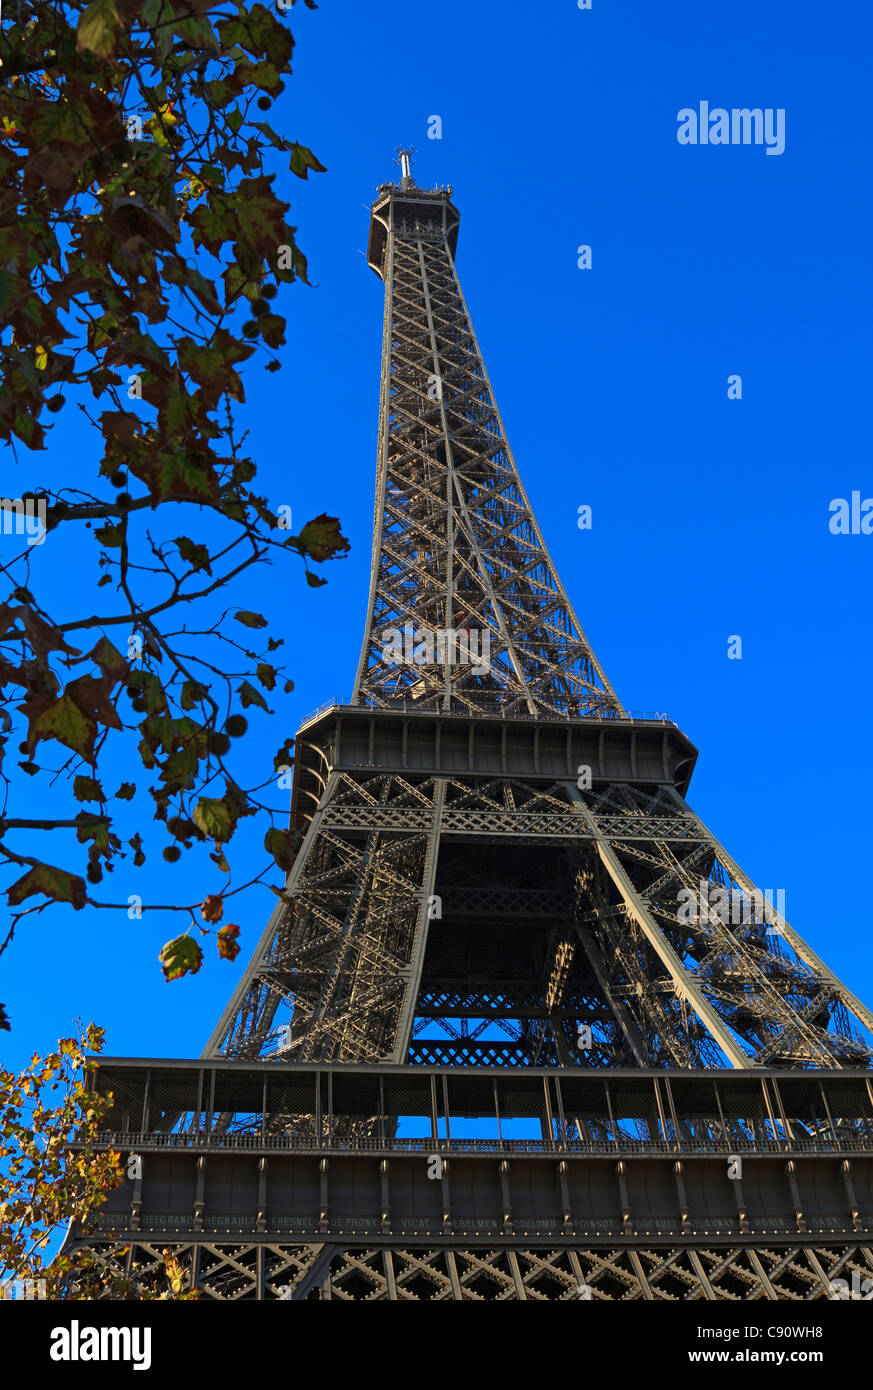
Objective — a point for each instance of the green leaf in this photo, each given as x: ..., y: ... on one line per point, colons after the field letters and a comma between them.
x: 214, y: 818
x: 91, y: 827
x: 110, y: 536
x: 126, y: 791
x: 150, y: 689
x: 54, y: 883
x: 250, y: 619
x: 219, y: 93
x: 65, y: 721
x: 192, y: 694
x: 302, y: 160
x: 179, y: 957
x: 86, y: 789
x: 97, y: 28
x: 249, y: 695
x: 136, y: 845
x: 280, y: 843
x: 314, y: 581
x: 266, y: 675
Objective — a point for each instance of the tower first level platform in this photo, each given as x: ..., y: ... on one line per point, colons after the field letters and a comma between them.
x: 351, y: 1182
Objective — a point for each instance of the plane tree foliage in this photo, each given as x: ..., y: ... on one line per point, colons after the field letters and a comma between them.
x: 144, y: 250
x: 54, y: 1171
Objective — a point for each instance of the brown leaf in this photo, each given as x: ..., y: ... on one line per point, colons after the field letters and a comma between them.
x: 212, y: 907
x: 110, y: 661
x: 322, y: 539
x: 226, y: 939
x: 119, y: 424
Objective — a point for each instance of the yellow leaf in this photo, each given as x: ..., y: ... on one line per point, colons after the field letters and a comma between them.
x: 41, y: 358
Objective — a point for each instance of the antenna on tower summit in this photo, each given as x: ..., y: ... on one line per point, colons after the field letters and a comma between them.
x: 404, y: 159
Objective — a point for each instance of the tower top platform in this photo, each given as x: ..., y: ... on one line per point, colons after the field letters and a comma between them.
x: 425, y: 213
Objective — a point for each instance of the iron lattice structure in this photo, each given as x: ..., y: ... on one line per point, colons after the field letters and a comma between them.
x: 493, y: 853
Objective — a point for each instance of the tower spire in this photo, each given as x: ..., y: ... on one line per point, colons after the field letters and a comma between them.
x: 404, y: 159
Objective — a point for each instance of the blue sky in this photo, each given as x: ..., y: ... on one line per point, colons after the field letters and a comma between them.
x: 710, y: 516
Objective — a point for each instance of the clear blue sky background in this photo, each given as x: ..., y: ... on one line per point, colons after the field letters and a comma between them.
x: 710, y: 515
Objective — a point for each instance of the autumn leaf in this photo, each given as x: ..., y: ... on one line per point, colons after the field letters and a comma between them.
x: 212, y: 907
x: 97, y: 28
x: 250, y: 696
x: 322, y: 539
x: 110, y: 661
x: 93, y: 698
x: 110, y: 536
x: 63, y: 720
x: 91, y: 827
x: 284, y: 757
x: 55, y: 883
x: 181, y: 956
x: 197, y: 556
x: 147, y: 213
x: 86, y: 789
x: 226, y: 941
x: 302, y: 160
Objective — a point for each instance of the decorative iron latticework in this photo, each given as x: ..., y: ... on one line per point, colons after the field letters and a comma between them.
x: 499, y: 874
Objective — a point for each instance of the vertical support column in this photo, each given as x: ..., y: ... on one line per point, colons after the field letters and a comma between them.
x: 413, y: 972
x: 146, y: 1101
x: 200, y: 1193
x: 385, y: 1195
x: 324, y: 1208
x: 261, y: 1223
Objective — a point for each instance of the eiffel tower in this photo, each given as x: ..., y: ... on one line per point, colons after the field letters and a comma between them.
x: 519, y: 1027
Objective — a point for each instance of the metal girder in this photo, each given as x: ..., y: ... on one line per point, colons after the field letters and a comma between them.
x: 226, y: 1271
